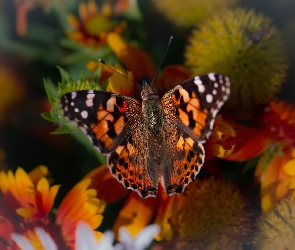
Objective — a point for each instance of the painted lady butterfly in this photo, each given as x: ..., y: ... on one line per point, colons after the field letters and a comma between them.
x: 156, y: 140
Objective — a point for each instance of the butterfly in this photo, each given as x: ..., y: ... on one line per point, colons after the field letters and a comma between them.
x: 158, y: 141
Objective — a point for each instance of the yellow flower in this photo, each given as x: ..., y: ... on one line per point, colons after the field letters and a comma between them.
x: 94, y: 26
x: 214, y: 215
x: 191, y: 13
x: 27, y: 201
x: 244, y: 46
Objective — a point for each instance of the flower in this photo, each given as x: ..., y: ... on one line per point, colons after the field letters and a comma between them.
x: 27, y: 201
x: 94, y: 26
x: 86, y: 239
x: 275, y: 169
x: 141, y: 241
x: 191, y: 13
x: 276, y: 227
x: 221, y: 141
x: 245, y: 47
x: 249, y: 142
x: 115, y: 75
x: 214, y: 215
x: 46, y: 241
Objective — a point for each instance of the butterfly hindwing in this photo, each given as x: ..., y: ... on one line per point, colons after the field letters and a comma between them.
x: 185, y: 160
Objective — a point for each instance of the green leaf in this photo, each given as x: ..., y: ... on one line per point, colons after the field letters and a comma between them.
x: 51, y: 91
x: 47, y: 116
x: 61, y: 130
x: 64, y: 75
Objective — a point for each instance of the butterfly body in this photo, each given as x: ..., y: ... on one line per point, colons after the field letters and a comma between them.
x: 157, y: 140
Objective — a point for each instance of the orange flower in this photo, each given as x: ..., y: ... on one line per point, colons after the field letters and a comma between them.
x: 221, y: 141
x: 94, y: 25
x: 249, y: 143
x: 275, y: 169
x: 26, y: 202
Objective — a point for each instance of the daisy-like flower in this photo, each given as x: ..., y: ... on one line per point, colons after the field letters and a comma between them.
x: 86, y: 239
x: 276, y: 168
x: 26, y: 203
x: 94, y: 24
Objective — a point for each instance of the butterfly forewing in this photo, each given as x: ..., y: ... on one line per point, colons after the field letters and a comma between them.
x: 197, y: 101
x: 100, y: 115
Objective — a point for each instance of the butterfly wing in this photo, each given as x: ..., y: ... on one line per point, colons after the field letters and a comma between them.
x: 113, y: 125
x: 190, y: 110
x: 100, y: 115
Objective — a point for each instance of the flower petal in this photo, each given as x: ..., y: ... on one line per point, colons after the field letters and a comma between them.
x: 136, y: 60
x: 250, y: 142
x: 108, y: 188
x: 135, y: 214
x: 171, y: 76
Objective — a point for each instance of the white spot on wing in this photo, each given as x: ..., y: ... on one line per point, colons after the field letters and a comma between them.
x: 89, y: 102
x: 212, y: 77
x: 215, y: 85
x: 227, y: 82
x: 90, y: 95
x: 209, y: 98
x: 74, y: 94
x: 214, y: 92
x: 84, y: 114
x: 200, y: 84
x: 72, y: 103
x: 76, y: 110
x: 198, y: 81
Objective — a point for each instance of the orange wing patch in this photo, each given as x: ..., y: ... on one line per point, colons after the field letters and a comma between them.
x: 131, y: 175
x: 189, y: 110
x: 186, y: 168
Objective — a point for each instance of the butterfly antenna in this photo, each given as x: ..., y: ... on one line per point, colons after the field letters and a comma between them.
x: 169, y: 42
x: 100, y: 60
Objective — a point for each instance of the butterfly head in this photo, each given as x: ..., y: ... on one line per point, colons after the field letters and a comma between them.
x: 148, y: 93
